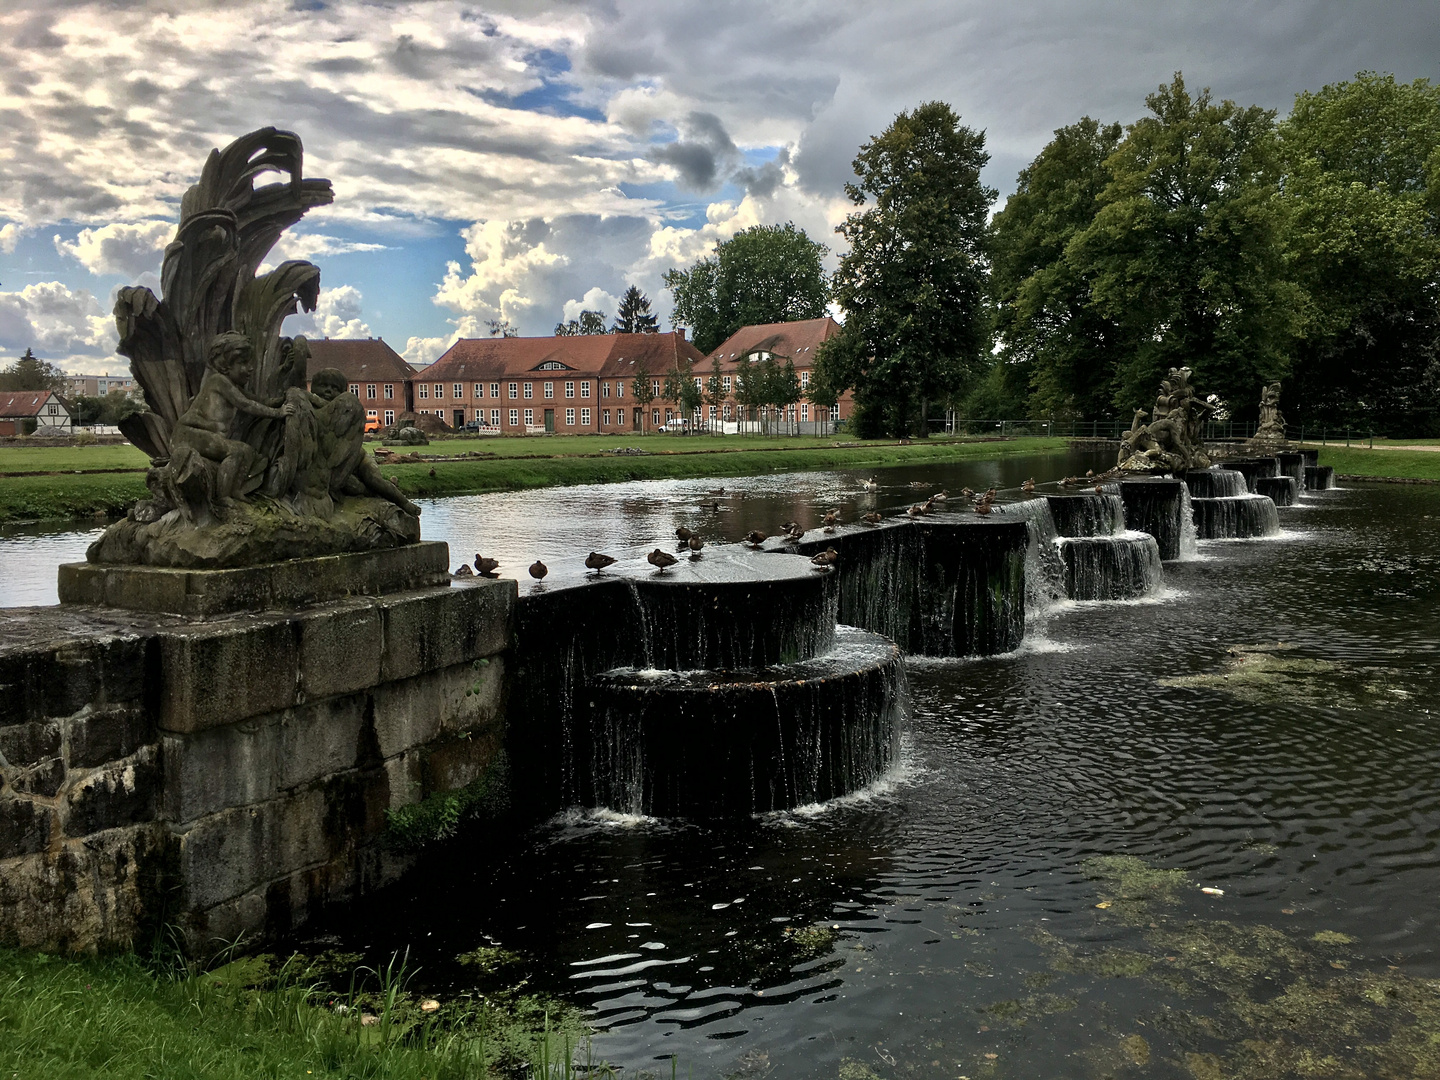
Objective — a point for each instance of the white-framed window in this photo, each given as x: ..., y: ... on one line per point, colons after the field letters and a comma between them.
x: 727, y: 410
x: 494, y: 417
x: 370, y: 391
x: 439, y: 391
x: 389, y: 417
x: 712, y: 414
x: 655, y: 387
x: 619, y: 389
x: 549, y: 389
x: 514, y: 417
x: 604, y: 417
x: 457, y: 391
x: 514, y: 392
x: 699, y: 383
x: 424, y: 391
x: 584, y: 417
x: 529, y: 417
x: 804, y: 378
x: 569, y: 389
x: 389, y: 391
x: 619, y: 417
x: 604, y: 389
x: 371, y: 414
x: 585, y: 389
x: 805, y: 411
x: 655, y: 416
x: 569, y: 417
x: 495, y: 389
x: 355, y: 388
x: 529, y: 390
x: 725, y: 381
x: 54, y: 410
x: 479, y: 390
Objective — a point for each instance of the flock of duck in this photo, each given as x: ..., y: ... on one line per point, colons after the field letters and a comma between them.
x: 691, y: 541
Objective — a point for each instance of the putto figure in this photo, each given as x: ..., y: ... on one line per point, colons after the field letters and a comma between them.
x: 1171, y: 440
x: 247, y: 465
x: 1272, y: 425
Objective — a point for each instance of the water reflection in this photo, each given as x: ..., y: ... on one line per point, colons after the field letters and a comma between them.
x: 999, y: 908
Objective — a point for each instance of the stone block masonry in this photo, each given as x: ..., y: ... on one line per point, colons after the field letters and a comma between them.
x: 231, y: 775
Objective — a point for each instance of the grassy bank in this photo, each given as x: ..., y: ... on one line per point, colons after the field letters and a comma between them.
x: 58, y: 483
x: 1382, y: 462
x: 117, y: 1019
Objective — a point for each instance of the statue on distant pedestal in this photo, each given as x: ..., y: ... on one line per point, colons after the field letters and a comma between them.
x: 1171, y: 441
x: 1271, y: 431
x: 246, y: 464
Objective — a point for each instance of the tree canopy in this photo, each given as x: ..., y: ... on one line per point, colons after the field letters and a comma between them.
x: 764, y: 274
x: 913, y: 282
x: 634, y: 316
x: 31, y: 373
x: 589, y: 322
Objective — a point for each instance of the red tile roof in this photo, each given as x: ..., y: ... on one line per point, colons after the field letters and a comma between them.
x: 361, y: 359
x: 796, y: 341
x: 26, y: 402
x: 596, y: 355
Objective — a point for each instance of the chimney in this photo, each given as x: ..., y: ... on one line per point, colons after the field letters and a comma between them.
x: 680, y: 332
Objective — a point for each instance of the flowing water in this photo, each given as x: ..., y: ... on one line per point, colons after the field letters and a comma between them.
x: 1025, y: 895
x: 1196, y: 835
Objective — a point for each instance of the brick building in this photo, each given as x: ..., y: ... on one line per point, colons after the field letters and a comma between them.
x: 99, y: 385
x: 565, y: 384
x: 793, y: 341
x: 377, y: 374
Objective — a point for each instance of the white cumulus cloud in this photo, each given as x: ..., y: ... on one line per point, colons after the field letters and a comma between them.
x: 55, y: 321
x: 9, y: 237
x: 338, y: 314
x: 119, y: 248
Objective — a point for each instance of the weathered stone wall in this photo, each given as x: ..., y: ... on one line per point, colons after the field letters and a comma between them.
x: 231, y: 775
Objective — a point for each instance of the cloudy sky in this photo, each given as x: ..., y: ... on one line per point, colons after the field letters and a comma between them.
x: 528, y: 160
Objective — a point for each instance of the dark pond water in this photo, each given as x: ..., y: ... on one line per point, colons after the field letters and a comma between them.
x: 1025, y: 896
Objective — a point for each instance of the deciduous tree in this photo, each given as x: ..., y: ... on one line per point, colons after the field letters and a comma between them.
x: 913, y: 282
x: 32, y: 373
x: 589, y: 322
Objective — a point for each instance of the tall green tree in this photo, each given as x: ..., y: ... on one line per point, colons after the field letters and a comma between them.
x: 589, y: 322
x: 913, y: 282
x: 823, y: 395
x: 634, y: 316
x: 31, y: 373
x: 764, y: 274
x: 1362, y: 186
x: 1186, y: 252
x: 1056, y: 347
x: 642, y: 389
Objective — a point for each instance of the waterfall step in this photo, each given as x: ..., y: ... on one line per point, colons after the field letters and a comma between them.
x: 712, y: 745
x: 1122, y: 567
x: 1251, y: 468
x: 1243, y: 517
x: 1087, y: 514
x: 1281, y: 490
x: 1216, y: 483
x: 1319, y: 477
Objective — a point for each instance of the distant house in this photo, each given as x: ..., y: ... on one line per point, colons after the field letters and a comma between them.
x: 99, y: 385
x: 377, y: 375
x: 794, y: 341
x: 25, y: 411
x: 576, y: 385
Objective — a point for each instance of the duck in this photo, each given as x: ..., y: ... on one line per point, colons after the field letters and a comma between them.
x: 1089, y: 472
x: 661, y: 559
x: 538, y: 570
x: 826, y: 559
x: 982, y: 507
x: 486, y: 567
x: 967, y: 492
x: 712, y: 506
x: 597, y: 562
x: 683, y: 534
x: 464, y: 571
x: 755, y: 538
x: 939, y: 496
x: 870, y: 485
x: 917, y: 510
x: 791, y: 527
x: 695, y: 544
x: 1099, y: 490
x: 1028, y: 486
x: 795, y: 532
x: 832, y: 518
x: 918, y: 484
x: 873, y: 518
x: 716, y: 491
x: 432, y: 472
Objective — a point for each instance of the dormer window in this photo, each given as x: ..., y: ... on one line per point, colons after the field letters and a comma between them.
x: 551, y: 365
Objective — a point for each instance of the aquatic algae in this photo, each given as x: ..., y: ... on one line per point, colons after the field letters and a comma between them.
x: 1136, y: 1048
x: 850, y: 1069
x: 1015, y: 1012
x: 1332, y: 937
x: 812, y: 941
x: 1257, y: 675
x: 1129, y: 882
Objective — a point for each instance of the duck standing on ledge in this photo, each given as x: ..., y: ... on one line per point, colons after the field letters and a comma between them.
x: 832, y: 518
x: 597, y: 562
x: 1028, y: 486
x: 661, y: 559
x: 486, y: 567
x: 755, y: 538
x: 873, y: 518
x: 538, y: 570
x: 683, y: 535
x: 695, y: 544
x: 826, y: 559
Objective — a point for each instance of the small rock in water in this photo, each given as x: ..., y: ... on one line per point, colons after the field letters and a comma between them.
x: 429, y: 1005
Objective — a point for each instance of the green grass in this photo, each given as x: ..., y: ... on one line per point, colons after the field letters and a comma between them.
x: 517, y: 464
x: 1381, y: 463
x: 68, y: 1019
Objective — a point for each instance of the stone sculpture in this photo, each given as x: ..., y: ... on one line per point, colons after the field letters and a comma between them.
x: 1271, y: 431
x: 1171, y: 440
x: 246, y: 465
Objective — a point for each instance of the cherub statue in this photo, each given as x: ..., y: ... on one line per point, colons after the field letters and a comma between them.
x: 204, y: 432
x: 323, y: 458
